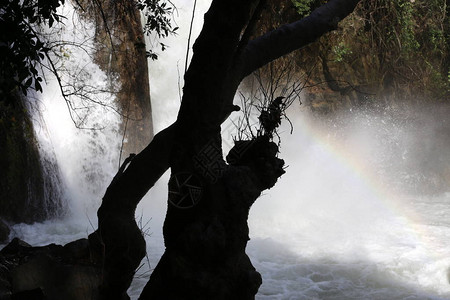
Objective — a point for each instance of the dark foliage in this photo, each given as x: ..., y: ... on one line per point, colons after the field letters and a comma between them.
x: 21, y: 48
x: 157, y: 20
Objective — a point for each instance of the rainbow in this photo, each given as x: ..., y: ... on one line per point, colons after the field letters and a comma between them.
x: 344, y: 156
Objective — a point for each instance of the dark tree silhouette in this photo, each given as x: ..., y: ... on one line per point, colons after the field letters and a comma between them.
x: 205, y: 230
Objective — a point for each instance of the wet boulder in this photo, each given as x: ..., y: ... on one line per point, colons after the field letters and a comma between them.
x: 49, y: 272
x: 4, y: 232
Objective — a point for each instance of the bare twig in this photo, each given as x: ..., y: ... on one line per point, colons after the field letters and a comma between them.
x: 124, y: 132
x: 189, y: 37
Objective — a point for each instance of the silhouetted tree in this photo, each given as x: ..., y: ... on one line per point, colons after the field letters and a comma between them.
x: 205, y: 230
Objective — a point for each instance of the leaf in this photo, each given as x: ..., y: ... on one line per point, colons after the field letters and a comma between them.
x: 38, y: 86
x: 28, y: 82
x: 22, y: 75
x: 151, y: 55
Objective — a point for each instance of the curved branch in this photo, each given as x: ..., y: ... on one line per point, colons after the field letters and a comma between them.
x: 124, y: 245
x: 141, y: 174
x: 290, y: 37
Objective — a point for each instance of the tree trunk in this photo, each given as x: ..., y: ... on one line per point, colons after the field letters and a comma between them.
x: 205, y: 242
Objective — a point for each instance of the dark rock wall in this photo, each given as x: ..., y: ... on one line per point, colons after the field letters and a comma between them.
x: 49, y: 272
x: 29, y: 182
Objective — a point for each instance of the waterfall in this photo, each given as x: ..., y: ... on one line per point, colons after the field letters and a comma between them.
x: 54, y: 202
x: 31, y: 189
x: 87, y: 157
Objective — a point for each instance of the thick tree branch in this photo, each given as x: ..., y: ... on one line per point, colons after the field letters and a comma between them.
x: 250, y: 29
x: 124, y: 245
x: 143, y: 171
x: 290, y: 37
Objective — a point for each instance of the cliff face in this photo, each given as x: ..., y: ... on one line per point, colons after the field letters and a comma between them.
x: 30, y: 188
x: 388, y: 53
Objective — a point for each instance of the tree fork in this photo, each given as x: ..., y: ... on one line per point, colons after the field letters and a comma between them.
x: 124, y: 245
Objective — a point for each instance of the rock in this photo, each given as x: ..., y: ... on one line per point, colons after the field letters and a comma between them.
x: 5, y: 285
x: 58, y: 280
x: 78, y: 249
x: 4, y: 232
x: 16, y: 246
x: 35, y: 294
x: 51, y: 272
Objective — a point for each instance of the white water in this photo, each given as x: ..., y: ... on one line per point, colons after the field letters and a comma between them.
x: 329, y: 231
x: 88, y: 158
x: 336, y: 225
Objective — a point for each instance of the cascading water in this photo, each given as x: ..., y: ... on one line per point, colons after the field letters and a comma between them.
x: 87, y: 158
x: 360, y: 213
x: 55, y: 201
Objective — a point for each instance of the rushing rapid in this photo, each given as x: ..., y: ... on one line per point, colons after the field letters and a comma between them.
x: 337, y: 226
